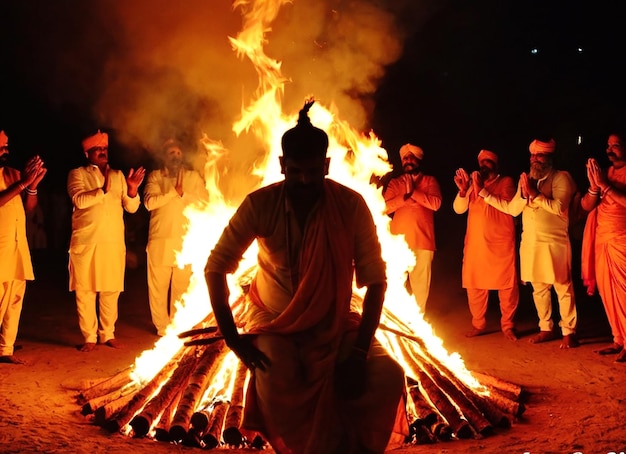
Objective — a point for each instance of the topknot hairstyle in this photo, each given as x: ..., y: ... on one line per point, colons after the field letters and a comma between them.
x: 304, y: 140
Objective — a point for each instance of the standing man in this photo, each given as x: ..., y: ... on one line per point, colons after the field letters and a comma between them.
x: 15, y: 266
x: 412, y: 199
x: 168, y: 192
x: 320, y: 381
x: 543, y: 197
x: 604, y: 240
x: 99, y: 195
x: 489, y: 256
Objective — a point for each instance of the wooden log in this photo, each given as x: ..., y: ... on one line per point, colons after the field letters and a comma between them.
x: 232, y: 435
x: 109, y: 410
x: 162, y: 428
x: 123, y: 417
x: 494, y: 382
x: 213, y: 436
x: 105, y: 386
x: 208, y: 365
x: 91, y: 406
x: 459, y: 426
x: 466, y: 406
x: 425, y: 414
x: 142, y: 422
x: 505, y: 404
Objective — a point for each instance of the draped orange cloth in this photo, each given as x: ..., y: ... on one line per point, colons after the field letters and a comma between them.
x: 294, y: 403
x: 604, y: 254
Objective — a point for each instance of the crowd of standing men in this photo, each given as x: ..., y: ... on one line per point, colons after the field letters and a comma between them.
x: 544, y: 196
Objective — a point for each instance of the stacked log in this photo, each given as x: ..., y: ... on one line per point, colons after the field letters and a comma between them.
x: 181, y: 405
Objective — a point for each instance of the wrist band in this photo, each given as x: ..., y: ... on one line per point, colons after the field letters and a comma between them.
x: 593, y: 193
x: 606, y: 191
x: 22, y: 187
x: 31, y: 191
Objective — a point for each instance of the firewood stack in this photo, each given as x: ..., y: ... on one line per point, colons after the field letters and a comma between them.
x: 197, y: 398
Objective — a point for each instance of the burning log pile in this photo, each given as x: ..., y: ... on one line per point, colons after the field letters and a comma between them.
x: 197, y: 398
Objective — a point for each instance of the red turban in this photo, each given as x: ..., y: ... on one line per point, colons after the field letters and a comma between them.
x: 99, y: 139
x: 486, y: 154
x: 537, y: 146
x: 411, y: 149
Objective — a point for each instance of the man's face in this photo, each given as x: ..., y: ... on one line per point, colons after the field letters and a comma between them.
x: 615, y: 150
x: 173, y: 157
x: 4, y: 155
x: 98, y: 156
x: 304, y: 178
x: 487, y: 168
x: 410, y: 163
x: 540, y: 165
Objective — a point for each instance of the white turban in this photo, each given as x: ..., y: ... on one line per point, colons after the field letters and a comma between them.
x: 4, y: 140
x: 486, y: 154
x: 412, y: 149
x: 537, y: 146
x: 99, y: 139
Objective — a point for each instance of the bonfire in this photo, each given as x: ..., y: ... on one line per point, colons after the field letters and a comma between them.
x: 190, y: 387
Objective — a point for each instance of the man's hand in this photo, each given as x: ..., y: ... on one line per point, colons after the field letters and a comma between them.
x: 179, y: 182
x: 246, y: 351
x: 134, y: 179
x: 597, y: 175
x: 477, y: 182
x: 591, y: 167
x: 462, y: 181
x: 350, y: 376
x: 33, y: 172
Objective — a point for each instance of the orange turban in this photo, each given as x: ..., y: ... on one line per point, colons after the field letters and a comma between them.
x: 537, y: 146
x: 99, y: 139
x: 486, y: 154
x: 411, y: 149
x: 4, y: 140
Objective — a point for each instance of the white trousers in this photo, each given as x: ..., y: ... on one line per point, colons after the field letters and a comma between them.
x: 97, y: 320
x: 11, y: 298
x: 542, y: 296
x: 166, y: 285
x: 419, y: 277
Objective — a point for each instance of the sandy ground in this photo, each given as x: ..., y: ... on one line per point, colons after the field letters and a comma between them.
x: 575, y: 400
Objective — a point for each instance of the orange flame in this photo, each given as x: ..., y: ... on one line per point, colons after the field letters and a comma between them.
x: 355, y: 157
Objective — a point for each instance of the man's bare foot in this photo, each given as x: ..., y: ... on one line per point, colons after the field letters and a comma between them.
x: 10, y: 359
x: 543, y: 336
x: 612, y: 349
x: 509, y: 333
x: 114, y: 343
x: 87, y: 347
x: 569, y: 341
x: 475, y: 332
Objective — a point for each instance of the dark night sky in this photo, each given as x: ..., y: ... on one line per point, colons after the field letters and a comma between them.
x: 466, y: 79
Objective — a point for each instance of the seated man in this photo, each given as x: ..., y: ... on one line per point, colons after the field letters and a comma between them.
x: 321, y: 383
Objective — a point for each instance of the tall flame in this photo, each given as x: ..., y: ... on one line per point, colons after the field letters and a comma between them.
x: 355, y: 158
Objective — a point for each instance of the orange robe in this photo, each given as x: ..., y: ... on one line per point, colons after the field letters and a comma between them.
x: 301, y: 309
x: 489, y: 255
x: 604, y: 255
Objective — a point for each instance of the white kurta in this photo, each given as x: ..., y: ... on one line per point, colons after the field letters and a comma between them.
x: 15, y: 263
x: 168, y: 222
x: 97, y: 247
x: 167, y: 279
x: 545, y: 251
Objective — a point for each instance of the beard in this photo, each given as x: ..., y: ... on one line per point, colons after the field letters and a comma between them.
x: 538, y: 171
x: 3, y: 160
x: 485, y: 172
x: 410, y: 168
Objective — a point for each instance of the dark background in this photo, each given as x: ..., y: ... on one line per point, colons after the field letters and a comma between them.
x: 472, y: 75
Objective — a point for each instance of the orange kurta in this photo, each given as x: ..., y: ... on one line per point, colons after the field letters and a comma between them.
x: 604, y: 244
x: 414, y: 217
x: 489, y: 256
